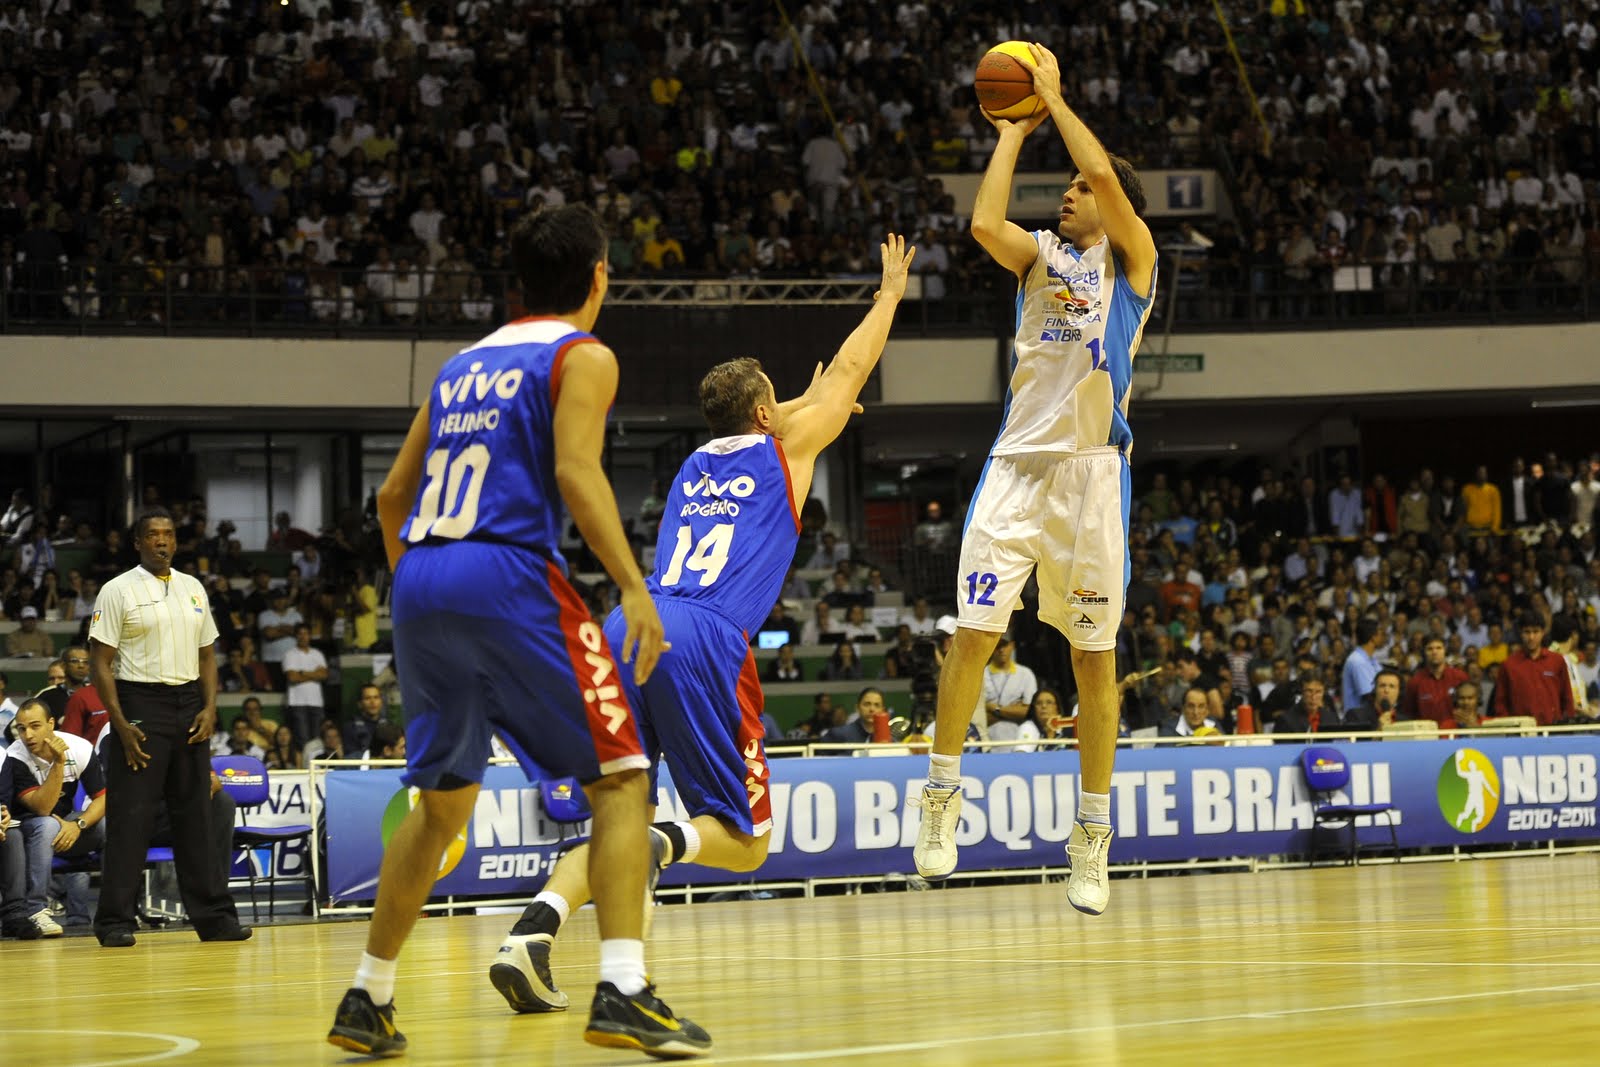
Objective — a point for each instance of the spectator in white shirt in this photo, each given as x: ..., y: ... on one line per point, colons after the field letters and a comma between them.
x: 304, y: 669
x: 1008, y: 689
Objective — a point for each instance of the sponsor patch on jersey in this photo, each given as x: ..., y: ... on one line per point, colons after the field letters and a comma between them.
x: 1050, y: 335
x: 1088, y: 596
x: 1083, y: 622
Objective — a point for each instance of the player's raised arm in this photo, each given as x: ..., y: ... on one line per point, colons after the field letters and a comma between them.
x: 587, y: 386
x: 399, y: 489
x: 1009, y: 244
x: 1130, y: 237
x: 810, y: 424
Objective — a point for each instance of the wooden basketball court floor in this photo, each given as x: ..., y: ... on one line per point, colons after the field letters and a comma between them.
x: 1478, y: 962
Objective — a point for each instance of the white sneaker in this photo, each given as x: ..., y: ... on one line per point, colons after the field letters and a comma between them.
x: 46, y: 926
x: 935, y: 852
x: 1088, y: 889
x: 521, y: 972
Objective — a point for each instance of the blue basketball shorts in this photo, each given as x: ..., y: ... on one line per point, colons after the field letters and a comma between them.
x: 702, y: 709
x: 493, y: 639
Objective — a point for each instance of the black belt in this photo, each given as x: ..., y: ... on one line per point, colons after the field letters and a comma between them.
x: 157, y: 687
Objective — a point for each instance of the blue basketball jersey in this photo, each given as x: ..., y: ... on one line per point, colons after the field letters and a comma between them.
x: 730, y: 529
x: 491, y: 466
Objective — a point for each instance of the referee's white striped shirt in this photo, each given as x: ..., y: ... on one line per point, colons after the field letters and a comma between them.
x: 157, y: 626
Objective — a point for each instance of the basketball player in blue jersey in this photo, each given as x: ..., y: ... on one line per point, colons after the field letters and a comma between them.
x: 490, y: 637
x: 727, y: 540
x: 1054, y: 492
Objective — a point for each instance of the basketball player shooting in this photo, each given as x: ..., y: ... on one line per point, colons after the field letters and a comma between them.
x: 1055, y: 490
x: 727, y: 538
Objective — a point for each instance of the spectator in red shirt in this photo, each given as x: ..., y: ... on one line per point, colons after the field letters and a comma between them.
x: 1431, y: 693
x: 1533, y: 680
x: 85, y: 712
x: 1466, y: 713
x: 1179, y: 595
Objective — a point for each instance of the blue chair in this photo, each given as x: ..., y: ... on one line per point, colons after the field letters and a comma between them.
x: 1327, y: 772
x: 245, y: 780
x: 564, y: 803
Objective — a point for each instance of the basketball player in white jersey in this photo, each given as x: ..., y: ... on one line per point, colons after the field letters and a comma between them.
x: 1054, y: 492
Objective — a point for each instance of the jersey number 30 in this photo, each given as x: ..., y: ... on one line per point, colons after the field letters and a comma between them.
x: 445, y: 510
x: 708, y: 557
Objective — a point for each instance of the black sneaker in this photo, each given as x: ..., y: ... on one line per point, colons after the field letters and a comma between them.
x: 361, y: 1026
x: 642, y: 1022
x: 521, y: 972
x: 20, y: 929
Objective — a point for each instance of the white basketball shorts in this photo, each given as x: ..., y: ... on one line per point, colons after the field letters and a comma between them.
x: 1065, y: 514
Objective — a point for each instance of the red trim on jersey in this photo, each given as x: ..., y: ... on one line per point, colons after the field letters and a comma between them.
x: 757, y: 782
x: 788, y: 481
x: 555, y: 365
x: 594, y: 669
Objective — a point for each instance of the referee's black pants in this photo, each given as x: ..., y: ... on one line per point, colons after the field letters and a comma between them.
x: 177, y: 776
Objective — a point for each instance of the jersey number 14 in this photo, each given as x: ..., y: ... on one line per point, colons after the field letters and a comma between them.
x: 708, y: 557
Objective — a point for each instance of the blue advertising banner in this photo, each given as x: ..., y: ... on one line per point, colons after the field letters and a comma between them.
x: 840, y: 816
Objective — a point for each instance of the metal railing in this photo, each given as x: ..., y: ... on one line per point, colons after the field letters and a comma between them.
x: 277, y: 302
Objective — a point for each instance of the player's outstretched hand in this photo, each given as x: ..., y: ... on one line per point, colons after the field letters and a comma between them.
x: 896, y: 266
x: 642, y: 644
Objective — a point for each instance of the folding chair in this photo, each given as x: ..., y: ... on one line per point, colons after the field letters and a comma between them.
x: 245, y: 780
x: 1327, y: 772
x: 564, y: 804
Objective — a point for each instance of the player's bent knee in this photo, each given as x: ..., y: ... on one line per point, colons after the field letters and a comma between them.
x: 750, y: 851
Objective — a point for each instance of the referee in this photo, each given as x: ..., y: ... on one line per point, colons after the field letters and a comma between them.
x: 153, y: 664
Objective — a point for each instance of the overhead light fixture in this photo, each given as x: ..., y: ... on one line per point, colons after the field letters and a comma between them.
x: 1577, y: 402
x: 1217, y: 446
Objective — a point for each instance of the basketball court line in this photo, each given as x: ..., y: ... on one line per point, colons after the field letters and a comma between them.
x: 181, y: 1046
x: 1012, y: 1036
x: 1284, y: 961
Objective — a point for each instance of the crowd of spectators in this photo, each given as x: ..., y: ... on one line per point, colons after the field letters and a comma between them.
x: 334, y: 160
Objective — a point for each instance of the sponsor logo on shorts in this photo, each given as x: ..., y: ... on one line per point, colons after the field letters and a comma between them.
x: 1083, y: 622
x: 1088, y: 596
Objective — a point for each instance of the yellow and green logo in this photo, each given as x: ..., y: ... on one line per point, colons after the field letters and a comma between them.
x: 1469, y: 790
x: 399, y: 807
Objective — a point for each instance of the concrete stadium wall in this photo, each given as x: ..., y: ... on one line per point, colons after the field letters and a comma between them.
x: 167, y: 373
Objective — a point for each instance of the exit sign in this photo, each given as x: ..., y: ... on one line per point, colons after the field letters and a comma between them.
x: 1172, y: 363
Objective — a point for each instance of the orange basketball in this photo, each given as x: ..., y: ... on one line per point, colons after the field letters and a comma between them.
x: 1005, y: 86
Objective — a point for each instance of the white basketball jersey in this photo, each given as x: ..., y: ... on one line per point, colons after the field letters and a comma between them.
x: 1078, y: 326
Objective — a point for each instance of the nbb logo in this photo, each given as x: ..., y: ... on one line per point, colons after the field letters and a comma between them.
x: 1471, y: 790
x: 398, y: 808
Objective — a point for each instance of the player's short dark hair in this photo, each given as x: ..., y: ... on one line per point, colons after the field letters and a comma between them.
x: 729, y: 394
x: 1128, y: 178
x: 1529, y: 619
x: 146, y: 517
x: 554, y: 253
x: 1368, y: 628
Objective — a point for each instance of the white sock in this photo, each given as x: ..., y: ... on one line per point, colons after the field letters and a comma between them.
x: 622, y: 964
x: 557, y: 902
x: 1094, y: 808
x: 691, y: 842
x: 377, y: 978
x: 944, y: 770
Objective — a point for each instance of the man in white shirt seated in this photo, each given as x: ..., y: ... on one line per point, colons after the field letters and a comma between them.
x: 1008, y: 689
x: 1193, y: 719
x: 239, y: 743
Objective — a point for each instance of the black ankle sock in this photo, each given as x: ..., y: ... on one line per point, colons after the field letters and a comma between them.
x: 676, y: 845
x: 537, y: 918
